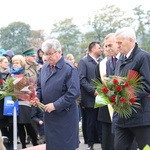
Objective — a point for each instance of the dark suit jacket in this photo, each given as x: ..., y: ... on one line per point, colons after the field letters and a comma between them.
x: 110, y: 68
x: 139, y: 61
x: 86, y: 67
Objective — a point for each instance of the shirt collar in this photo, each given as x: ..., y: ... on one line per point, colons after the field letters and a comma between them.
x: 94, y: 58
x: 129, y: 53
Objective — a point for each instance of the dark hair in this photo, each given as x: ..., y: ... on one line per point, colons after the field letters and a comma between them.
x: 92, y: 44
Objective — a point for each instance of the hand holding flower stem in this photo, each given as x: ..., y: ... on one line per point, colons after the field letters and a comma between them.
x: 35, y: 102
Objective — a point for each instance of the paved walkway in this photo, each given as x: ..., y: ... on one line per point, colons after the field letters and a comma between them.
x: 82, y: 146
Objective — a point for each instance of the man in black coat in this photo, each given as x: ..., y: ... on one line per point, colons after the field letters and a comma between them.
x: 103, y: 114
x: 86, y: 68
x: 133, y: 58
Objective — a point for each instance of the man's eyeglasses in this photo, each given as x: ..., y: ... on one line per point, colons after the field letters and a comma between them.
x: 50, y: 54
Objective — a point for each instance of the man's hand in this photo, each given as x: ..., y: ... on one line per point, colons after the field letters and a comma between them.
x: 96, y: 93
x: 49, y: 107
x: 34, y: 101
x: 41, y: 122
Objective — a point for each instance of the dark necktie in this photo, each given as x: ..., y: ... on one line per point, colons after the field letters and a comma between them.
x: 51, y: 68
x: 125, y: 57
x: 115, y: 61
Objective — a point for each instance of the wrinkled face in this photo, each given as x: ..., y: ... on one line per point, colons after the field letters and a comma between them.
x: 4, y: 64
x: 53, y: 56
x: 111, y: 46
x: 16, y: 64
x: 123, y: 45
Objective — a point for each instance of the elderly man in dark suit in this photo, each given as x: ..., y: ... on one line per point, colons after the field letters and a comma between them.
x: 108, y: 128
x: 133, y: 58
x: 86, y: 68
x: 58, y: 88
x: 104, y: 114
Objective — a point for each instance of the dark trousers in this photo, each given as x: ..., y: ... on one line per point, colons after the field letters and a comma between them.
x: 84, y: 125
x: 8, y: 132
x: 107, y: 136
x: 124, y: 137
x: 92, y: 126
x: 22, y: 128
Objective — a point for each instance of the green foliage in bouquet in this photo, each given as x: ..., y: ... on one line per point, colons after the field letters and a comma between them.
x: 146, y: 147
x: 119, y: 92
x: 7, y: 89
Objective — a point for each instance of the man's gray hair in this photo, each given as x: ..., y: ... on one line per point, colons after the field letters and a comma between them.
x: 109, y: 35
x: 51, y: 44
x: 126, y: 32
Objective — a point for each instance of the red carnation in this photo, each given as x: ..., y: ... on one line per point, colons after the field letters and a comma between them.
x: 118, y: 88
x: 122, y: 99
x: 126, y: 84
x: 115, y: 81
x: 113, y: 98
x: 132, y: 100
x: 1, y: 81
x: 105, y: 90
x: 10, y: 75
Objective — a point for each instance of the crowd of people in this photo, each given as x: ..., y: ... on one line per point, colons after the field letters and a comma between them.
x: 28, y: 120
x: 67, y: 91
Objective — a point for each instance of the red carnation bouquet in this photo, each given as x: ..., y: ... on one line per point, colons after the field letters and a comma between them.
x: 20, y: 87
x: 119, y: 92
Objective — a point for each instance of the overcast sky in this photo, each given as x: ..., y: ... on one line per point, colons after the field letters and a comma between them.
x: 41, y: 14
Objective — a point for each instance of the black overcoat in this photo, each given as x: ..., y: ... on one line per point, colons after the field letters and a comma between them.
x: 139, y: 60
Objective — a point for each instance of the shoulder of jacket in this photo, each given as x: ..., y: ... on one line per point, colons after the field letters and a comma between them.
x: 69, y: 64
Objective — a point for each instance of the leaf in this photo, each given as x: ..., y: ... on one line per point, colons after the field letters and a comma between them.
x: 146, y: 147
x: 100, y: 101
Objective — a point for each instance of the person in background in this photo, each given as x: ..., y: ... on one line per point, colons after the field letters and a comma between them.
x: 133, y: 58
x: 2, y: 147
x: 44, y: 59
x: 102, y: 63
x: 24, y: 119
x: 87, y: 65
x: 58, y: 88
x: 9, y: 54
x: 6, y: 122
x: 70, y: 58
x: 32, y: 67
x: 40, y: 54
x: 37, y: 117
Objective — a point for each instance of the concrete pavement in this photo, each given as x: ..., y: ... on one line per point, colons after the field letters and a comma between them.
x: 82, y: 146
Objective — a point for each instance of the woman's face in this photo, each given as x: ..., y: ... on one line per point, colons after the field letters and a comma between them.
x: 41, y: 53
x: 16, y: 64
x: 71, y: 59
x: 4, y: 64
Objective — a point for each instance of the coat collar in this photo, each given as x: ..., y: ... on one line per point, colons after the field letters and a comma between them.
x: 135, y: 50
x: 59, y: 64
x: 91, y: 59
